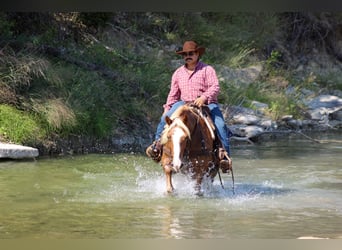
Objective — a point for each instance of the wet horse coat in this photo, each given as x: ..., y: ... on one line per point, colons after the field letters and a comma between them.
x: 190, y: 145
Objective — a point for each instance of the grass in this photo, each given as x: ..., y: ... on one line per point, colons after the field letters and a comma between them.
x: 19, y: 127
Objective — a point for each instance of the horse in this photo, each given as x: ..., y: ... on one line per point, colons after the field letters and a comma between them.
x: 190, y: 146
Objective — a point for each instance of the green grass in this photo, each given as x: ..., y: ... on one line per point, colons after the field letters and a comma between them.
x: 19, y: 127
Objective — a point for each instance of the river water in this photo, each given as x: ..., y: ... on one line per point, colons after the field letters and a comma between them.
x: 284, y: 190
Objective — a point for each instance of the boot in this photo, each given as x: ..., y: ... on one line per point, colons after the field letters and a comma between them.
x: 154, y: 151
x: 225, y: 161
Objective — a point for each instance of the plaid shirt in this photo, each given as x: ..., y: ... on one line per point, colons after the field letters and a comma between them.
x: 202, y: 82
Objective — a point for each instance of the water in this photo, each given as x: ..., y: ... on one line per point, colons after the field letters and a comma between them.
x: 287, y: 189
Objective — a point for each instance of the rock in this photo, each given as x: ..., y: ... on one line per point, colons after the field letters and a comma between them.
x: 323, y: 108
x: 13, y: 151
x: 319, y: 114
x: 246, y: 131
x: 335, y: 124
x: 307, y: 92
x: 260, y: 107
x: 287, y: 117
x: 325, y: 101
x: 311, y: 238
x: 268, y: 124
x: 245, y: 119
x: 252, y: 131
x: 290, y: 90
x: 294, y: 124
x: 337, y: 115
x: 239, y: 77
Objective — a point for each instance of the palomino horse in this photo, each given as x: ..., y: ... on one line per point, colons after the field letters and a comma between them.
x: 190, y: 146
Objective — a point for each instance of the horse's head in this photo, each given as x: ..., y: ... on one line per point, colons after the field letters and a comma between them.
x: 175, y: 140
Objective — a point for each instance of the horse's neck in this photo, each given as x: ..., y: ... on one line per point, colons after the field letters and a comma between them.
x: 204, y: 114
x: 201, y: 137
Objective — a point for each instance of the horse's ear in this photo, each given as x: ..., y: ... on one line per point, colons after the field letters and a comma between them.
x: 168, y: 120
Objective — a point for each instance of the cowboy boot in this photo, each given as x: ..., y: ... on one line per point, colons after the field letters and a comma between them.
x: 225, y: 161
x: 154, y: 151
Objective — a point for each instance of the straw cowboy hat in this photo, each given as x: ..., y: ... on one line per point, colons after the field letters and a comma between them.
x: 191, y: 46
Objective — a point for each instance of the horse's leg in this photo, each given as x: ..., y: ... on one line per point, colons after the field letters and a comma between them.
x: 198, y: 185
x: 168, y: 174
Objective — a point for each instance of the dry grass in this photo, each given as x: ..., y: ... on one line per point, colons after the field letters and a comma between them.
x: 56, y: 112
x: 17, y: 70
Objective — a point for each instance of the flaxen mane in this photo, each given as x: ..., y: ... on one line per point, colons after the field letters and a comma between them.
x: 176, y: 121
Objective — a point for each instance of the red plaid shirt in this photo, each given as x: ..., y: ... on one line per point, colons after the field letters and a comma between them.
x: 202, y: 82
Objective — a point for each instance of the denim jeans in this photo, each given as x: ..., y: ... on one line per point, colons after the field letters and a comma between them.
x: 216, y: 115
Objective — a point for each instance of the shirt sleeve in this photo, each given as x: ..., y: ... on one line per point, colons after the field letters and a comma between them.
x: 213, y: 85
x: 174, y: 94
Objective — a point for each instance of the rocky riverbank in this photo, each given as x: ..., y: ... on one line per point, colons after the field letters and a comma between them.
x: 248, y: 125
x: 323, y: 112
x: 320, y: 111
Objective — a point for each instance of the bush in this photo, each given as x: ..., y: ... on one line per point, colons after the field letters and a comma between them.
x: 5, y: 27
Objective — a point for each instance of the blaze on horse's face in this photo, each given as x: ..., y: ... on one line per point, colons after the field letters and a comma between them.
x: 177, y: 138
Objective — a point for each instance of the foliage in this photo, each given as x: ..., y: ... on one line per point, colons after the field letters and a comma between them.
x: 112, y: 71
x: 18, y: 126
x: 54, y: 113
x: 309, y: 30
x: 95, y: 19
x: 5, y: 27
x: 17, y: 69
x: 266, y: 92
x: 331, y: 80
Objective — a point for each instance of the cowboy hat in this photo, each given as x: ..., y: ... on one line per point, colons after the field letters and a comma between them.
x: 191, y: 46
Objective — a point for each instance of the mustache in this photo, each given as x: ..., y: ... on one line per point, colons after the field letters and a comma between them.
x: 188, y: 59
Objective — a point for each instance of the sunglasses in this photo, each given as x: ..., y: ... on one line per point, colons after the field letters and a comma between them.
x: 191, y: 53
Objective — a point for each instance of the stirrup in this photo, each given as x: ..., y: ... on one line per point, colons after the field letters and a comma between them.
x: 225, y: 161
x: 225, y: 166
x: 222, y: 153
x: 154, y: 151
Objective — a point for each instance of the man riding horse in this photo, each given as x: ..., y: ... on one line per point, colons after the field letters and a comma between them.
x: 194, y: 82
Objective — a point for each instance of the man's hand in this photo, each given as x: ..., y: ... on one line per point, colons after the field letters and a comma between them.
x: 200, y: 101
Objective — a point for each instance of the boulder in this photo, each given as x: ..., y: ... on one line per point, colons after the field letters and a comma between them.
x: 240, y: 77
x: 325, y: 101
x: 259, y: 106
x: 324, y: 107
x: 245, y: 119
x: 13, y: 151
x: 246, y: 131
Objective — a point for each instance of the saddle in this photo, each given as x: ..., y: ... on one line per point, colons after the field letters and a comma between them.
x: 220, y: 152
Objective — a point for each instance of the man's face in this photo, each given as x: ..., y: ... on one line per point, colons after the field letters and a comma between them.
x: 191, y: 56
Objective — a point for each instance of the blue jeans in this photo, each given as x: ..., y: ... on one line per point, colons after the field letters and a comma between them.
x: 216, y: 115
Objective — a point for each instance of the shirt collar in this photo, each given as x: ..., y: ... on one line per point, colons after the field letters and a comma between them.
x: 199, y: 63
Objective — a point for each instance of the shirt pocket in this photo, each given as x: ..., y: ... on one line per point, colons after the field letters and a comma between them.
x: 198, y: 82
